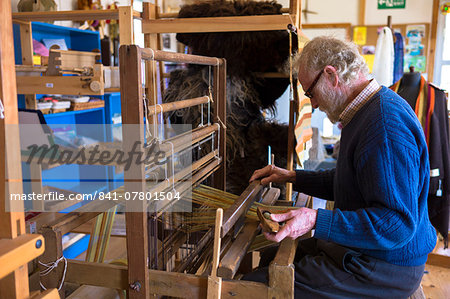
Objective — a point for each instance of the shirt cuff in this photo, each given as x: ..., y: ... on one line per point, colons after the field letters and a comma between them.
x: 323, y: 224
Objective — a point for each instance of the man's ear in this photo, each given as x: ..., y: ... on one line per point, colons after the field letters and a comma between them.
x: 331, y: 73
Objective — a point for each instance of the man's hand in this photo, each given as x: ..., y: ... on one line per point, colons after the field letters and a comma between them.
x: 297, y: 223
x: 273, y: 174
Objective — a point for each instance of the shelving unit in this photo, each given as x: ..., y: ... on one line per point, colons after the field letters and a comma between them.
x: 80, y: 40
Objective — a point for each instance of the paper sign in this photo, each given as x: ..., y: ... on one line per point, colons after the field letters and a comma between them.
x: 360, y: 35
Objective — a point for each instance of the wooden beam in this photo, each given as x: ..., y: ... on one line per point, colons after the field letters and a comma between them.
x: 18, y: 251
x: 151, y: 54
x: 71, y: 220
x: 95, y: 292
x: 70, y: 15
x: 221, y: 114
x: 47, y: 294
x: 240, y: 206
x: 26, y: 43
x: 215, y: 282
x: 231, y: 261
x: 362, y: 12
x: 291, y: 138
x: 56, y: 84
x: 126, y: 32
x: 192, y: 286
x: 134, y: 177
x: 160, y: 282
x: 171, y: 106
x: 286, y: 252
x: 281, y: 281
x: 98, y: 274
x: 12, y: 224
x: 432, y: 47
x: 295, y: 8
x: 327, y: 25
x: 53, y: 251
x: 217, y: 24
x: 170, y: 15
x: 281, y: 270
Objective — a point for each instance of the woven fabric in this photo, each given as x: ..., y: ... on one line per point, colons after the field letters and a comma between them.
x: 398, y: 56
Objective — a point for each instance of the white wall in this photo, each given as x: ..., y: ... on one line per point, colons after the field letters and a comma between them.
x: 347, y: 11
x: 415, y: 11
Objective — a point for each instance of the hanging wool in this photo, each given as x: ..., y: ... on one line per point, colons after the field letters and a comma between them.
x: 383, y: 65
x: 248, y: 54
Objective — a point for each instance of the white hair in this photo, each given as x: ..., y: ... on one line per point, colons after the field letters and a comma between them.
x: 324, y: 50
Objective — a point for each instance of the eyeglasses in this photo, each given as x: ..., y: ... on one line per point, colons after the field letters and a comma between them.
x: 308, y: 92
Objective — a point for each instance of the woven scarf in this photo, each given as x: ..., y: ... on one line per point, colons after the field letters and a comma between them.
x: 424, y: 104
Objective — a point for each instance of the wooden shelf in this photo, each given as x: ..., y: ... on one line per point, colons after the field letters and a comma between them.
x: 71, y: 15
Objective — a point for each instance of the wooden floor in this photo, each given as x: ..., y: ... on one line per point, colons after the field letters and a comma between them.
x: 436, y: 280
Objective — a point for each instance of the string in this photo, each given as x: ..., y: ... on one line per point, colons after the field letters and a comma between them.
x: 201, y: 124
x: 218, y: 140
x: 291, y: 90
x: 147, y: 124
x: 210, y: 96
x: 173, y: 166
x: 162, y: 121
x: 49, y: 267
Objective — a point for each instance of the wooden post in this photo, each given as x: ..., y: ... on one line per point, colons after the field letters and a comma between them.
x: 150, y: 41
x: 26, y: 43
x: 362, y: 12
x: 220, y: 110
x: 134, y: 180
x: 295, y: 8
x: 36, y: 182
x: 281, y: 271
x: 53, y: 251
x: 291, y: 137
x: 126, y: 33
x: 215, y: 282
x: 12, y: 224
x: 432, y: 52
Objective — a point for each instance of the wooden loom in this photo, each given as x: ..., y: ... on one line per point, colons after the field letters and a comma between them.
x: 43, y: 80
x: 137, y: 278
x: 144, y: 282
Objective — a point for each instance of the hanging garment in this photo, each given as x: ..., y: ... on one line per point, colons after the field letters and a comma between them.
x: 431, y: 110
x: 398, y: 56
x: 383, y: 65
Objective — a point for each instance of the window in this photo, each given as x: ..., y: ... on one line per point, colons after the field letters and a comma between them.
x: 442, y: 60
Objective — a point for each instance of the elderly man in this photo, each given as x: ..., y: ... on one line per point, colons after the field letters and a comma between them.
x: 376, y: 240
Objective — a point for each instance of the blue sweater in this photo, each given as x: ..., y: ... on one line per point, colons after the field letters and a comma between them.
x: 379, y: 185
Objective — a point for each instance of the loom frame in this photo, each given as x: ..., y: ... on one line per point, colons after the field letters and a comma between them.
x: 131, y: 58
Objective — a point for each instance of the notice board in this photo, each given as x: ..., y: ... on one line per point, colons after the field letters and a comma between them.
x: 416, y: 37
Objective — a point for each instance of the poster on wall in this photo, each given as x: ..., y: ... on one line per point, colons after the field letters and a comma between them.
x: 415, y: 49
x: 360, y: 35
x: 390, y: 4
